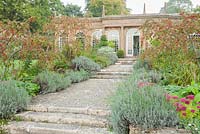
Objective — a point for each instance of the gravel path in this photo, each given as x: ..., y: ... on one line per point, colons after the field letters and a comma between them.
x: 83, y: 108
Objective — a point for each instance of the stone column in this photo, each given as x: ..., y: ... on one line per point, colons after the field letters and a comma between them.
x: 104, y: 31
x: 122, y: 42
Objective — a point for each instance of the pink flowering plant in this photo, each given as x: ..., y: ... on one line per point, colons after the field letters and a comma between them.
x: 186, y: 100
x: 187, y: 107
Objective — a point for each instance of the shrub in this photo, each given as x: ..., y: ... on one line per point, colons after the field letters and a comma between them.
x: 145, y: 107
x: 193, y: 89
x: 102, y: 61
x: 187, y: 107
x: 60, y: 66
x: 32, y: 88
x: 141, y: 64
x: 154, y: 76
x: 86, y: 64
x: 90, y: 53
x: 103, y: 41
x: 192, y: 125
x: 186, y: 99
x: 3, y: 123
x: 109, y: 53
x: 120, y: 53
x: 151, y: 76
x: 51, y: 82
x: 111, y: 44
x: 12, y: 98
x: 60, y: 63
x: 78, y: 76
x: 176, y: 58
x: 70, y: 52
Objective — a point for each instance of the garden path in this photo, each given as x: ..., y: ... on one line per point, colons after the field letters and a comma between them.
x: 80, y: 109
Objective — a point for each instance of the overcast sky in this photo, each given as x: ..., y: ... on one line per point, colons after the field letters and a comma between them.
x: 152, y: 6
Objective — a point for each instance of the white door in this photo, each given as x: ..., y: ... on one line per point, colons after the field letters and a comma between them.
x: 130, y: 41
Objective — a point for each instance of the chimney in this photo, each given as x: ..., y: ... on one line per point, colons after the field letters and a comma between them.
x: 103, y: 12
x: 165, y: 7
x: 144, y: 9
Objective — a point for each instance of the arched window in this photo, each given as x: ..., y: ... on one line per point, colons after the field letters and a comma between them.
x: 96, y: 36
x: 113, y: 35
x: 62, y: 40
x: 80, y: 37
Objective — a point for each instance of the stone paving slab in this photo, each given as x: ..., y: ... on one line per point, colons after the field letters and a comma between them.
x: 93, y: 93
x: 108, y: 77
x: 118, y: 68
x: 64, y: 118
x: 24, y: 127
x: 113, y: 73
x: 75, y: 110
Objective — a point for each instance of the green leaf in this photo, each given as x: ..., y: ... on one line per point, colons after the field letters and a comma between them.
x: 197, y: 98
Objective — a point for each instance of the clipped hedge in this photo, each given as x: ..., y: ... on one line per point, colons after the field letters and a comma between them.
x: 120, y: 54
x: 143, y: 107
x: 51, y: 82
x: 85, y: 63
x: 12, y: 98
x: 78, y: 76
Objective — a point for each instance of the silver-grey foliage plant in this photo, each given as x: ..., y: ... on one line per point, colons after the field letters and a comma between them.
x: 52, y: 82
x: 85, y: 63
x: 78, y: 76
x: 109, y: 53
x: 144, y: 108
x: 12, y: 98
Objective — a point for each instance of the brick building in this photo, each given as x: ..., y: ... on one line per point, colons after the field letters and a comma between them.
x: 125, y: 31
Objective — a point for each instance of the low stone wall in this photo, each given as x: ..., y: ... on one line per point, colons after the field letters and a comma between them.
x: 134, y: 130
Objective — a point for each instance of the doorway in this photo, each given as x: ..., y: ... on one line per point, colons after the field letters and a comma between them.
x: 136, y: 46
x: 132, y: 42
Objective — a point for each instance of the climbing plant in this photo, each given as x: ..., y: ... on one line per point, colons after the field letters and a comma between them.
x: 171, y: 51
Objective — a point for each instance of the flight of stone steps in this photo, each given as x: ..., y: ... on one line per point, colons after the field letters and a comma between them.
x: 113, y: 72
x: 55, y: 120
x: 72, y: 118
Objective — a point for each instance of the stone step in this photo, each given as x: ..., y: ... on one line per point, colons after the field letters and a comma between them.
x: 113, y: 73
x: 24, y: 127
x: 108, y: 77
x: 64, y: 118
x: 124, y: 63
x: 126, y: 60
x: 75, y: 110
x: 128, y: 70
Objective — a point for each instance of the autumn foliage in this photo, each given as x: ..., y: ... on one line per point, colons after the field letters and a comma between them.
x: 19, y: 43
x: 171, y: 51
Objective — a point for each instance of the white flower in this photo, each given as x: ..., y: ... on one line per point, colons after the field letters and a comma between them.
x: 196, y: 129
x: 189, y: 125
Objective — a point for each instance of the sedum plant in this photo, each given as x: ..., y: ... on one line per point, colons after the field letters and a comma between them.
x: 12, y: 98
x: 85, y: 63
x: 51, y: 82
